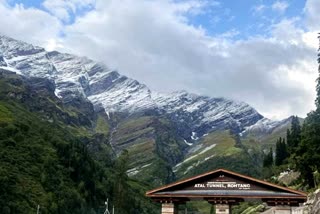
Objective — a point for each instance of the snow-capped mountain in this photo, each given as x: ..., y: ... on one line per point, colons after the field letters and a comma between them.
x: 265, y: 127
x: 204, y: 114
x: 74, y: 76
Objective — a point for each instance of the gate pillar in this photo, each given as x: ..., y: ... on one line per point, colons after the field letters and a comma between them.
x: 223, y: 209
x: 169, y: 208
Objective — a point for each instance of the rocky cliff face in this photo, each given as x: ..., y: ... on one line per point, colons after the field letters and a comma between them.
x: 159, y: 130
x: 312, y: 206
x: 314, y: 201
x: 79, y: 76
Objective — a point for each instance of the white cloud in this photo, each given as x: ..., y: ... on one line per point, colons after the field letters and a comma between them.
x: 280, y: 6
x: 153, y: 42
x: 258, y: 9
x: 312, y: 13
x: 28, y: 24
x: 53, y: 44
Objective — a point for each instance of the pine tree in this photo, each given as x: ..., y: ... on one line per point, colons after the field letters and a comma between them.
x: 288, y: 137
x: 121, y: 180
x: 278, y: 158
x: 318, y: 80
x: 294, y: 134
x: 281, y: 151
x: 285, y: 149
x: 268, y: 159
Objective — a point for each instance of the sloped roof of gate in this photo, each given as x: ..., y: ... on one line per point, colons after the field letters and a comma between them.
x: 224, y: 183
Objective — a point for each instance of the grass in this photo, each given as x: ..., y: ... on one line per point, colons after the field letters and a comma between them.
x: 225, y: 146
x: 5, y: 114
x: 142, y: 152
x: 102, y: 125
x: 226, y: 154
x: 123, y: 138
x: 135, y: 124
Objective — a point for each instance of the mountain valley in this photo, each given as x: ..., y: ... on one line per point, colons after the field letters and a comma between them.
x: 164, y: 137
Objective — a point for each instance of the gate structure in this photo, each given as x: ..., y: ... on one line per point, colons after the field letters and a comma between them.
x: 223, y: 189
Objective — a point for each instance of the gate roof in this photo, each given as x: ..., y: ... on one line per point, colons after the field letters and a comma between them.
x: 224, y: 184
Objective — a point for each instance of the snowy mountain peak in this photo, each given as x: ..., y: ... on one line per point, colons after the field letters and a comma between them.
x: 14, y: 48
x: 74, y: 76
x: 265, y: 126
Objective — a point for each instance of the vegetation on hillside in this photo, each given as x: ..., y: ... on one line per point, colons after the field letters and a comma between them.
x: 44, y: 156
x: 221, y: 149
x: 57, y: 155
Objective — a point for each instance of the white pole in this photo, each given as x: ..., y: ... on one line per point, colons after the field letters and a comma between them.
x: 112, y: 209
x: 107, y: 208
x: 38, y: 209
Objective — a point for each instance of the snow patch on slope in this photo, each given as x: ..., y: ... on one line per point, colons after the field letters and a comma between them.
x: 186, y: 142
x: 80, y: 76
x: 265, y: 125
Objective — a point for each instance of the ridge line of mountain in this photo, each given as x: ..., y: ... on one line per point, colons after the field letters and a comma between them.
x: 74, y: 76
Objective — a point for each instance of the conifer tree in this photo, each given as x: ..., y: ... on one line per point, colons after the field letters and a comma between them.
x: 318, y: 80
x: 294, y: 134
x: 281, y: 151
x: 121, y: 186
x: 268, y: 159
x: 288, y: 137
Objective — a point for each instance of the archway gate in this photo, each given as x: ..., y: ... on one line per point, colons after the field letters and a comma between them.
x: 224, y: 188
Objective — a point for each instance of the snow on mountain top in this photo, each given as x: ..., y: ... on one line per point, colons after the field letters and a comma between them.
x: 75, y: 75
x: 206, y: 109
x: 266, y: 125
x: 12, y: 48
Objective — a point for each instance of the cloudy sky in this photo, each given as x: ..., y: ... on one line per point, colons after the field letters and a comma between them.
x: 262, y: 52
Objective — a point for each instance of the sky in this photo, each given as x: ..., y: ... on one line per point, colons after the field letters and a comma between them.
x: 262, y: 52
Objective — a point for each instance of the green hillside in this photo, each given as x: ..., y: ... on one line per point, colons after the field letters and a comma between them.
x: 220, y: 149
x: 44, y: 156
x: 69, y: 158
x: 152, y: 145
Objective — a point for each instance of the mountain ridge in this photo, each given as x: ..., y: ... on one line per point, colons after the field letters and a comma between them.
x: 74, y: 76
x: 159, y: 131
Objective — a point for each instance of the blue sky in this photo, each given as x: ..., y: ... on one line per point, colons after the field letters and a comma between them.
x: 245, y: 19
x: 262, y: 52
x: 248, y: 18
x: 28, y: 3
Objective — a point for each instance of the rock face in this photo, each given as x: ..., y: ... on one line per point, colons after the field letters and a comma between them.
x: 312, y: 206
x: 204, y: 114
x: 313, y: 202
x: 79, y: 76
x: 165, y: 135
x: 287, y: 177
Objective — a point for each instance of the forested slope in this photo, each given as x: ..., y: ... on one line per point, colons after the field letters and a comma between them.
x: 44, y: 156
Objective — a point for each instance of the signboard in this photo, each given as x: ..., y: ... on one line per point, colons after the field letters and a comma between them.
x: 223, y: 185
x: 223, y: 182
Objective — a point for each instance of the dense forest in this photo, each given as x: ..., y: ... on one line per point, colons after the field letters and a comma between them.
x: 45, y: 160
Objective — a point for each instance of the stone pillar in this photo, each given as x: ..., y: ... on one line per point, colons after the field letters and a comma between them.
x: 169, y: 208
x: 223, y: 209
